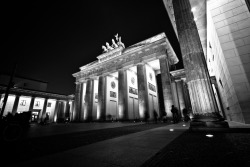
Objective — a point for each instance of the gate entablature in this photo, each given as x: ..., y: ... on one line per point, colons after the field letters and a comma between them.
x: 120, y: 57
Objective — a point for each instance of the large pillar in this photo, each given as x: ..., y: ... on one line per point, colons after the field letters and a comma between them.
x: 158, y: 101
x: 61, y: 111
x: 179, y: 87
x: 42, y: 114
x: 142, y: 91
x: 89, y: 99
x: 166, y: 85
x: 101, y: 108
x: 78, y: 101
x: 67, y: 111
x: 198, y: 80
x: 186, y: 96
x: 82, y: 102
x: 72, y: 110
x: 122, y: 95
x: 175, y: 95
x: 32, y: 100
x: 15, y: 106
x: 55, y: 111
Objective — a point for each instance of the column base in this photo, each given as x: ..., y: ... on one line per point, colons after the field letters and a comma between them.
x: 208, y: 122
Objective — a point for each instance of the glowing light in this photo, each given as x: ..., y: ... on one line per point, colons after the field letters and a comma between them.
x: 171, y: 130
x: 195, y: 19
x: 183, y: 125
x: 193, y: 9
x: 209, y: 135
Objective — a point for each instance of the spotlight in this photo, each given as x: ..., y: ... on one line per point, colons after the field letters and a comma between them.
x: 184, y: 125
x: 209, y: 135
x: 171, y: 130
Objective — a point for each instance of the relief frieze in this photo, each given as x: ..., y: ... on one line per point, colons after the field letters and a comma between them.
x: 126, y: 59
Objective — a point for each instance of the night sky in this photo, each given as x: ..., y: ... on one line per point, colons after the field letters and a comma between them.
x: 52, y: 40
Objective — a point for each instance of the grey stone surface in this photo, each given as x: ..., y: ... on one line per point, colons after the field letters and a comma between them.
x: 89, y: 100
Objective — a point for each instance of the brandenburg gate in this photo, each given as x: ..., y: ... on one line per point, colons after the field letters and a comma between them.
x: 121, y: 84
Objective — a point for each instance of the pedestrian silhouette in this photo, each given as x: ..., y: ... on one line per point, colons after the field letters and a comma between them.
x: 155, y: 116
x: 185, y: 114
x: 174, y: 111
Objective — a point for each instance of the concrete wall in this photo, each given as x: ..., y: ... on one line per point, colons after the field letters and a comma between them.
x: 229, y: 36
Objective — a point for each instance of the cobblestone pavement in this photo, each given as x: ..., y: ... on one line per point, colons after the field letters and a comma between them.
x: 195, y: 149
x: 30, y: 148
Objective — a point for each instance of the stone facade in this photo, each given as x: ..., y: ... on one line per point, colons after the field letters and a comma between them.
x: 125, y: 81
x: 224, y: 30
x: 41, y: 104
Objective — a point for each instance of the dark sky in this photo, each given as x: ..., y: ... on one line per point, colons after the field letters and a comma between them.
x: 52, y: 40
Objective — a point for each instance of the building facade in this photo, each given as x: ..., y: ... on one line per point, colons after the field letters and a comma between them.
x: 122, y: 84
x: 43, y: 105
x: 224, y: 32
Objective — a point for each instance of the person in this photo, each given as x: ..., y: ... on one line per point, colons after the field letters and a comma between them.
x: 155, y: 116
x: 146, y: 116
x: 174, y: 111
x: 185, y: 114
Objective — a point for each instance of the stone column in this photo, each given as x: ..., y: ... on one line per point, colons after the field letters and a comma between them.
x: 175, y: 96
x: 32, y: 100
x: 186, y: 96
x: 158, y: 103
x: 166, y: 85
x: 122, y: 95
x: 179, y: 87
x: 78, y: 101
x: 72, y: 110
x: 15, y: 106
x: 67, y: 110
x: 55, y: 111
x: 61, y: 112
x: 202, y: 98
x: 42, y: 114
x: 101, y: 108
x: 142, y: 92
x: 82, y: 103
x: 89, y: 99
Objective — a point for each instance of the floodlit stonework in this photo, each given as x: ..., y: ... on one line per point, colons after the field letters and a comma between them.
x: 224, y: 30
x: 30, y: 95
x: 121, y: 84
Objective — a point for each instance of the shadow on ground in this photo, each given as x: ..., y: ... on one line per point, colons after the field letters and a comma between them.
x: 195, y: 149
x: 31, y: 148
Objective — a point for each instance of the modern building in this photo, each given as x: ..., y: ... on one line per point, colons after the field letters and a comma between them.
x: 224, y: 32
x: 30, y: 95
